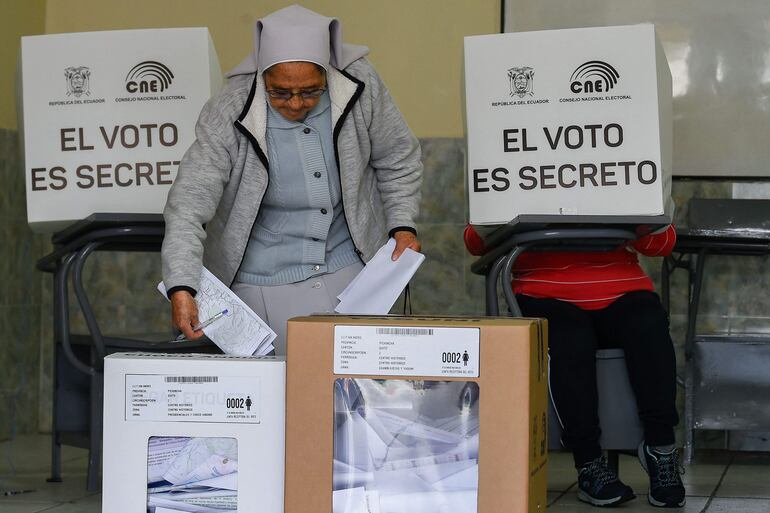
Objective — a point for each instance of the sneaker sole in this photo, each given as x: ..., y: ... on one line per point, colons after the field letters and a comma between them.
x: 659, y: 504
x: 604, y: 503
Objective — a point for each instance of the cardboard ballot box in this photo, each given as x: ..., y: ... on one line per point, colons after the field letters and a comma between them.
x: 415, y: 415
x: 568, y: 123
x: 105, y: 118
x: 187, y: 432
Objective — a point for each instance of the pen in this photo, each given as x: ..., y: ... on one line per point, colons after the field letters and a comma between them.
x: 205, y: 323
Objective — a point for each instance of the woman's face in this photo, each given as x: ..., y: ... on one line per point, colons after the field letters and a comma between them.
x: 296, y: 78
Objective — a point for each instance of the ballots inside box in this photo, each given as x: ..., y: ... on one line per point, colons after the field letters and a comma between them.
x: 193, y: 433
x: 418, y: 414
x: 192, y: 472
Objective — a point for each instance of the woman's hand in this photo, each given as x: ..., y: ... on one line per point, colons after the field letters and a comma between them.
x: 405, y: 239
x: 184, y: 314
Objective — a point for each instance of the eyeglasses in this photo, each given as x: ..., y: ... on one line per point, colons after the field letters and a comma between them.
x: 285, y: 95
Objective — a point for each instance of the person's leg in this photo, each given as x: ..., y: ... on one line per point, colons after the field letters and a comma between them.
x: 572, y: 376
x: 572, y: 373
x: 282, y: 302
x: 638, y: 323
x: 252, y: 296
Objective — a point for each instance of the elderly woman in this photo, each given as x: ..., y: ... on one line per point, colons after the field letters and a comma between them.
x: 301, y: 169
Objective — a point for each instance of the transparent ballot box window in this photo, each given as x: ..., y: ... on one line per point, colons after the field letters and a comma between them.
x: 404, y: 446
x: 192, y: 474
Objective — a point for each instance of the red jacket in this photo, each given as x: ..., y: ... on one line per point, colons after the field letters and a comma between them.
x: 590, y: 280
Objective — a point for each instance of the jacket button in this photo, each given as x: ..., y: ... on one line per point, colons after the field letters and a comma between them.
x: 306, y: 130
x: 317, y: 174
x: 323, y: 211
x: 316, y: 267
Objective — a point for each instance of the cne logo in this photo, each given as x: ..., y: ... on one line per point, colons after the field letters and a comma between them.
x: 78, y: 81
x: 149, y: 77
x: 593, y: 77
x: 520, y: 81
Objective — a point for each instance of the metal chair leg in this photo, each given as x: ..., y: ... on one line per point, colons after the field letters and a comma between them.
x: 95, y: 435
x: 689, y: 420
x: 55, y: 459
x: 492, y: 303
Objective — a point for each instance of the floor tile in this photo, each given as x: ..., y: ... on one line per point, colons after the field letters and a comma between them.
x: 720, y: 505
x: 30, y: 454
x: 561, y: 471
x: 76, y: 508
x: 72, y: 488
x: 751, y: 481
x: 570, y: 504
x: 25, y: 507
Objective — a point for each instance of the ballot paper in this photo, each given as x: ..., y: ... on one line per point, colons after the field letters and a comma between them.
x: 240, y: 331
x: 405, y: 459
x: 377, y: 287
x: 192, y: 474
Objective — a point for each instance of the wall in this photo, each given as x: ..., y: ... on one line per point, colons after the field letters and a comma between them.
x: 416, y: 45
x: 20, y: 294
x: 20, y: 18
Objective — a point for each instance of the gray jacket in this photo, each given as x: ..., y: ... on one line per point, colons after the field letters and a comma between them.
x: 215, y: 198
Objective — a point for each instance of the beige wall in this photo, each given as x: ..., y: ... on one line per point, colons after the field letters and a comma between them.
x: 416, y: 44
x: 17, y: 18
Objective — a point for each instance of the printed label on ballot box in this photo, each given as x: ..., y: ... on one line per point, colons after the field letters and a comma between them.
x: 172, y: 398
x: 406, y: 351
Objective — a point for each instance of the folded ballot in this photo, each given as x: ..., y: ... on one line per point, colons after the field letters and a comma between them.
x: 377, y: 287
x: 228, y: 321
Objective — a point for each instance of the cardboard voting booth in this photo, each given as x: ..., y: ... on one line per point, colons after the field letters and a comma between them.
x: 194, y: 433
x: 568, y: 123
x: 415, y: 415
x: 105, y: 118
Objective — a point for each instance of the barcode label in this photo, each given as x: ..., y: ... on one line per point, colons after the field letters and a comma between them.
x: 450, y: 351
x: 174, y: 398
x: 192, y: 379
x: 406, y: 332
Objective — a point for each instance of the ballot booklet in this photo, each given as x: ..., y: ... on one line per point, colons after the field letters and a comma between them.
x: 235, y: 328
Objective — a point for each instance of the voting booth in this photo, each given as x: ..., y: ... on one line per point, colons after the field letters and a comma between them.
x: 193, y: 433
x: 105, y: 118
x: 565, y: 124
x: 415, y: 415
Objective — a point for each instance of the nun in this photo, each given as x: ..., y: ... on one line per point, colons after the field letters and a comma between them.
x: 302, y: 168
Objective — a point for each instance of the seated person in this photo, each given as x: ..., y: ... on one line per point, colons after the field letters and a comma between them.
x: 597, y: 300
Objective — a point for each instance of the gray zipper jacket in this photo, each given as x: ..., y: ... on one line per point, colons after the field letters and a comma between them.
x: 222, y: 178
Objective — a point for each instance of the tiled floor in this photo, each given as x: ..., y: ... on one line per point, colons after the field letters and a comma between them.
x: 716, y: 483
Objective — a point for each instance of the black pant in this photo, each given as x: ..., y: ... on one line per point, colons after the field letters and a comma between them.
x: 637, y: 323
